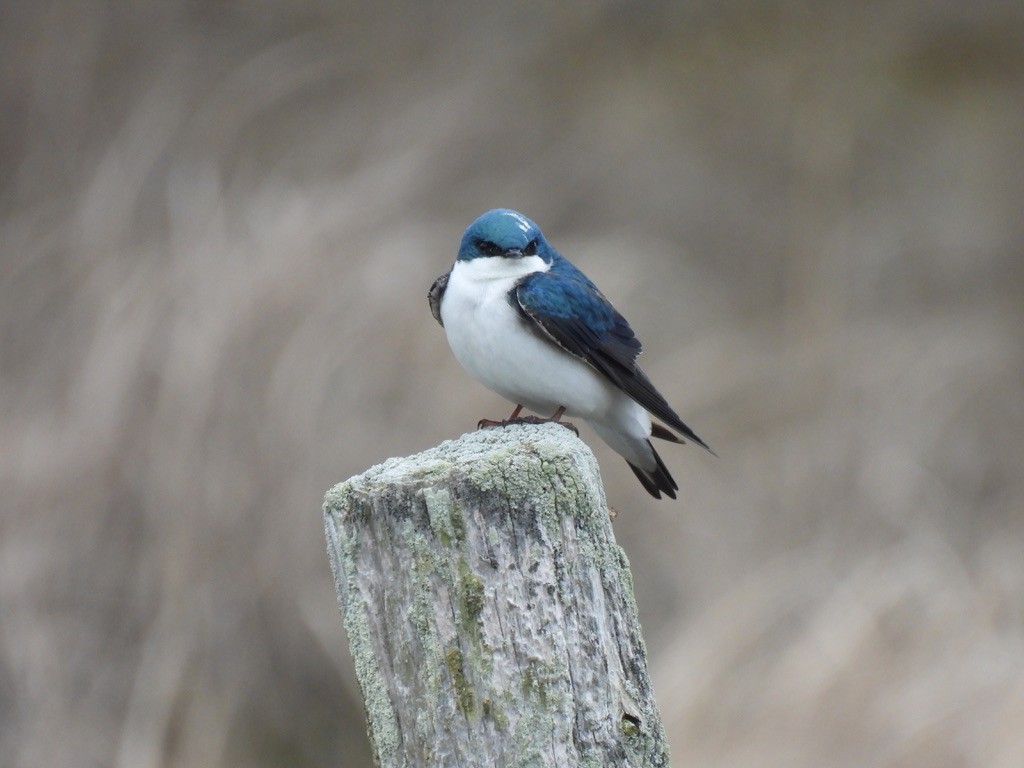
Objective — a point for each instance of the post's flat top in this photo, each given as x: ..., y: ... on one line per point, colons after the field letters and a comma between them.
x: 488, y: 455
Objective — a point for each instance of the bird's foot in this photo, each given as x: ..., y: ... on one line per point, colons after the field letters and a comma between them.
x: 515, y: 418
x: 491, y: 423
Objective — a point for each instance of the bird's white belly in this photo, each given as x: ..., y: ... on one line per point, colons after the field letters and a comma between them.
x: 492, y: 342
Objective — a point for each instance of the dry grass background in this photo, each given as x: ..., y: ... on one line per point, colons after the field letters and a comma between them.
x: 218, y: 225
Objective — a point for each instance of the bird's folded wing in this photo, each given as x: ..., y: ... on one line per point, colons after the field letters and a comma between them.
x: 575, y: 315
x: 435, y: 295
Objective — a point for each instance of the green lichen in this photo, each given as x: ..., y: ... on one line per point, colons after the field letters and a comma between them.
x: 544, y: 480
x: 436, y: 567
x: 336, y: 498
x: 538, y: 706
x: 471, y: 597
x: 440, y: 513
x: 464, y: 698
x: 493, y: 711
x: 423, y: 570
x: 457, y: 520
x: 536, y: 683
x: 492, y: 536
x: 593, y: 759
x: 530, y: 686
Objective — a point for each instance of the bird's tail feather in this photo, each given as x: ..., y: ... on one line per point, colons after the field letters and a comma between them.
x: 664, y: 433
x: 658, y: 480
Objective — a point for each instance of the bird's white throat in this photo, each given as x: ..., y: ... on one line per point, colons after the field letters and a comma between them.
x: 487, y: 268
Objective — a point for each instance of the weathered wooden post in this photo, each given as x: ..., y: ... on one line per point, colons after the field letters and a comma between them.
x: 489, y: 610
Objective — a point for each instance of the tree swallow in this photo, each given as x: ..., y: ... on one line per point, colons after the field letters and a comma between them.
x: 527, y: 324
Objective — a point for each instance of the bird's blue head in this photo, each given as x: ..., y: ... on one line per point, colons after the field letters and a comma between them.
x: 503, y: 233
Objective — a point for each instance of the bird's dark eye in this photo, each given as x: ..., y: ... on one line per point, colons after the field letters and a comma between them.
x: 531, y: 248
x: 487, y: 248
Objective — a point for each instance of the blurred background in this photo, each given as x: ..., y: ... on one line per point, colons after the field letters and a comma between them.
x: 218, y: 225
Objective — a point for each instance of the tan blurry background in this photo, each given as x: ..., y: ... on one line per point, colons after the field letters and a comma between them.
x: 219, y: 222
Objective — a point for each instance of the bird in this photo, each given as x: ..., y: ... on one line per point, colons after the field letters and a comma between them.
x: 528, y: 325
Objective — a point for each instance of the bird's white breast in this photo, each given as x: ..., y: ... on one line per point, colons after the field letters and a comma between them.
x: 491, y: 340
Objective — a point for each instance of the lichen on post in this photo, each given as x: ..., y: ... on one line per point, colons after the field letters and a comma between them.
x: 489, y: 611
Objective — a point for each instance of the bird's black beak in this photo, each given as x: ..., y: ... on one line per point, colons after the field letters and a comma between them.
x: 513, y: 253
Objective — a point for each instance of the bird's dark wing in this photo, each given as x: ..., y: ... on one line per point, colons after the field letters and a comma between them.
x: 435, y: 295
x: 569, y: 310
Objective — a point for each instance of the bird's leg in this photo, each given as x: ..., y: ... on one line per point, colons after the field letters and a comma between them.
x: 485, y: 423
x: 557, y: 418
